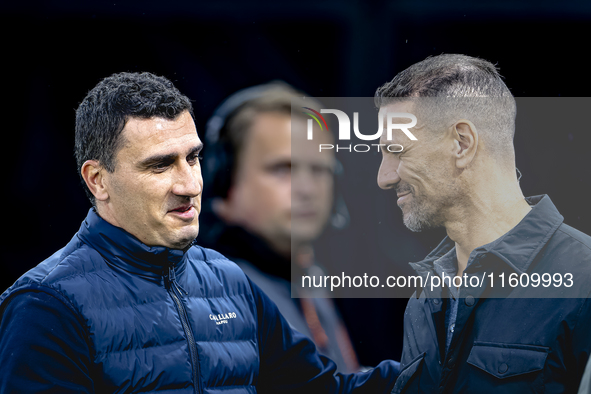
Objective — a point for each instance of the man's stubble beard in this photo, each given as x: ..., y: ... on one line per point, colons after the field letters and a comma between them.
x: 423, y: 212
x: 419, y: 216
x: 428, y: 209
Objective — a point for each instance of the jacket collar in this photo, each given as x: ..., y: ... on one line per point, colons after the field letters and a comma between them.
x: 517, y: 248
x: 237, y: 243
x: 122, y: 250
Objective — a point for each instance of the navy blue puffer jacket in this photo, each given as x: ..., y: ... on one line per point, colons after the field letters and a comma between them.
x: 110, y: 314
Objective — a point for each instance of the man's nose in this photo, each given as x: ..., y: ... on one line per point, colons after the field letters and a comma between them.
x: 388, y: 175
x: 303, y: 183
x: 188, y: 181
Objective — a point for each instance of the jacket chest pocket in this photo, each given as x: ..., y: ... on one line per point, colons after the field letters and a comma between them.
x: 508, y: 365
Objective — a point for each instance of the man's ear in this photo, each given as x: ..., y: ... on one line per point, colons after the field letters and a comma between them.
x: 93, y: 174
x: 465, y: 138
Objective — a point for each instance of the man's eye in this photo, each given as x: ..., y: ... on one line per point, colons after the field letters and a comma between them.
x: 281, y: 169
x: 194, y: 158
x: 322, y: 170
x: 159, y: 167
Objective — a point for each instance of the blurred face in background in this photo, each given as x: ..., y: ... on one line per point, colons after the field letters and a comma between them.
x: 312, y: 182
x: 282, y: 191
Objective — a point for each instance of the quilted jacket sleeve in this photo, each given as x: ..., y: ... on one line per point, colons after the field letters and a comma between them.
x: 289, y: 362
x: 42, y: 347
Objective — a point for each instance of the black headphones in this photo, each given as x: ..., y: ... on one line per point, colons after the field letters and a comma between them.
x: 219, y: 160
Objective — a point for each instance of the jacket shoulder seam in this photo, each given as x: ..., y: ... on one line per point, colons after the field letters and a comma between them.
x: 574, y: 238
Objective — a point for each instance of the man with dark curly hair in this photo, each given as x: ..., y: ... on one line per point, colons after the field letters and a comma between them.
x: 130, y: 304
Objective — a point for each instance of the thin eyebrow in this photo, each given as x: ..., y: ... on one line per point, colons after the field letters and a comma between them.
x: 167, y: 157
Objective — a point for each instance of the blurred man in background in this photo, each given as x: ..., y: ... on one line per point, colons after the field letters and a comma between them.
x: 270, y: 197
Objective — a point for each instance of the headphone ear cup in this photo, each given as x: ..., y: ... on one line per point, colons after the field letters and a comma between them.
x: 219, y: 161
x: 217, y: 171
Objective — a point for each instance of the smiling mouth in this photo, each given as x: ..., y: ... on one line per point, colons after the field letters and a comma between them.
x: 402, y: 197
x: 303, y: 213
x: 184, y: 208
x: 184, y: 212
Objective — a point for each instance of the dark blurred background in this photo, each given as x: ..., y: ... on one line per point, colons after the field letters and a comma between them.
x: 54, y: 52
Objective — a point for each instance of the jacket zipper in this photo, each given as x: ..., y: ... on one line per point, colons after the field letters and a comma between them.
x: 172, y: 287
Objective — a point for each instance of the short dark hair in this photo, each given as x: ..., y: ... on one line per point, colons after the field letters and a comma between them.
x: 451, y: 85
x: 102, y: 115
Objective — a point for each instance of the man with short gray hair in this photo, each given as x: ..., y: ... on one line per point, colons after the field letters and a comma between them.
x: 460, y: 174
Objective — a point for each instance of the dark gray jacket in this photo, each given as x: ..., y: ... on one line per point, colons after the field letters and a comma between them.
x: 506, y: 339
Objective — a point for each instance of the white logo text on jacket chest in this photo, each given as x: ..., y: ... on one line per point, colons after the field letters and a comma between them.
x: 222, y: 318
